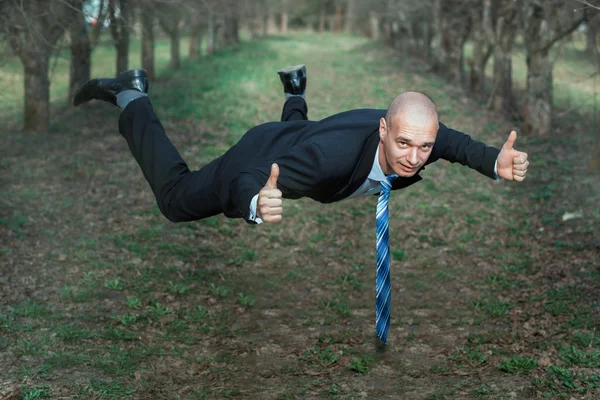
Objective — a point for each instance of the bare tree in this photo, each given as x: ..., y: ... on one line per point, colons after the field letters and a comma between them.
x: 500, y: 21
x: 284, y: 16
x: 350, y: 16
x: 170, y: 17
x: 147, y: 18
x: 338, y: 16
x: 593, y: 21
x: 544, y: 24
x: 482, y: 48
x: 81, y: 48
x: 120, y: 21
x: 196, y: 26
x: 453, y: 24
x: 98, y: 22
x: 322, y: 16
x: 33, y: 29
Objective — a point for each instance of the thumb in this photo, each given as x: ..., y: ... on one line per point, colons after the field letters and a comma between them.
x: 510, y: 141
x: 272, y: 182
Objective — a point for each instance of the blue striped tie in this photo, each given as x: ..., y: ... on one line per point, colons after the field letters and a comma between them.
x: 384, y: 290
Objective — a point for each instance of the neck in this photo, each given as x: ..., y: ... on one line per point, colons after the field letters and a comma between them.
x: 382, y: 161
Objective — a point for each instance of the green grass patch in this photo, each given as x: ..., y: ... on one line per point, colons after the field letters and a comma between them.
x: 517, y: 365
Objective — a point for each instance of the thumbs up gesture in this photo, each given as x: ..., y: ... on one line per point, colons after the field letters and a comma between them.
x: 270, y: 204
x: 512, y: 164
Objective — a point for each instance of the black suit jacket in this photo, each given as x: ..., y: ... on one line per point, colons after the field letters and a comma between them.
x: 325, y: 160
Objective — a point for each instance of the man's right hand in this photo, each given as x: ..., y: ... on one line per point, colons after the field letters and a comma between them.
x: 270, y: 203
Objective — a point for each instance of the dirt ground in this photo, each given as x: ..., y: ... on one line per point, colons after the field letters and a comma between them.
x: 495, y: 285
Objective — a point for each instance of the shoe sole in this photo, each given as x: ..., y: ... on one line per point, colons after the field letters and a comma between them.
x: 133, y: 73
x: 291, y: 69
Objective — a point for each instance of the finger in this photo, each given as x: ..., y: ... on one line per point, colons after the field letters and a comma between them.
x: 510, y: 141
x: 519, y: 173
x: 521, y: 167
x: 520, y: 158
x: 277, y: 202
x: 266, y: 209
x: 272, y: 182
x: 270, y: 194
x: 272, y: 211
x: 272, y: 218
x: 518, y: 178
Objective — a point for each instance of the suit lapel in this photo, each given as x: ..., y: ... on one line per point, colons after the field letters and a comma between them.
x: 362, y: 170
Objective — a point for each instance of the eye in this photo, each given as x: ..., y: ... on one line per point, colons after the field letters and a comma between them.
x: 402, y: 143
x: 426, y: 146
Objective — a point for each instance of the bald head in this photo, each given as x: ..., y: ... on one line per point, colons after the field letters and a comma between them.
x: 411, y: 107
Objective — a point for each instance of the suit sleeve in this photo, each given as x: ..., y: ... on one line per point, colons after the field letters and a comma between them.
x: 455, y: 146
x: 302, y: 171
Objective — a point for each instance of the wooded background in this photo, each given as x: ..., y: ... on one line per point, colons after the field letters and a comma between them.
x: 436, y: 31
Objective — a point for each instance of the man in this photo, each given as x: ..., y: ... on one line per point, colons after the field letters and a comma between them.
x: 351, y: 154
x: 329, y: 160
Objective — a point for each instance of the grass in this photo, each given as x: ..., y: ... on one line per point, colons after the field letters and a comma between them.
x: 107, y: 299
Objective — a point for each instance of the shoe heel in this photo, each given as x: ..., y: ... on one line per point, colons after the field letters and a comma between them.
x: 133, y: 73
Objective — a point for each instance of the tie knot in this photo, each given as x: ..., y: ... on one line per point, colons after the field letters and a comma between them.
x: 387, y: 183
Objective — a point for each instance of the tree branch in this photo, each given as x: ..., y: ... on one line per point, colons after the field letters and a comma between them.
x: 560, y: 35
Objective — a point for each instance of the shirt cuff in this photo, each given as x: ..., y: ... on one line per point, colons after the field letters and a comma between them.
x: 253, y: 216
x: 498, y: 179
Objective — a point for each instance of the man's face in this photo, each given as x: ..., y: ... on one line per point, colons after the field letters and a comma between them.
x: 406, y: 146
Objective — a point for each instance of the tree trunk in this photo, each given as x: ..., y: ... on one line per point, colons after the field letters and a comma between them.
x: 538, y: 100
x: 265, y: 24
x: 453, y: 32
x: 544, y: 26
x: 81, y: 51
x: 502, y: 96
x: 210, y: 34
x: 255, y: 21
x: 349, y: 20
x: 594, y: 165
x: 500, y: 17
x: 338, y: 18
x: 147, y: 20
x: 271, y: 25
x: 195, y: 46
x: 438, y: 55
x: 386, y: 27
x: 123, y: 54
x: 428, y: 32
x: 220, y: 34
x: 120, y: 32
x: 235, y: 30
x: 170, y: 21
x: 322, y: 16
x: 481, y: 53
x: 413, y: 37
x: 284, y: 21
x: 32, y: 35
x: 374, y: 25
x: 591, y: 36
x: 175, y: 49
x: 37, y: 92
x: 98, y: 24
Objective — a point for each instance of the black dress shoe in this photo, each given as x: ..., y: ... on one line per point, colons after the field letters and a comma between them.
x: 293, y: 79
x: 107, y: 88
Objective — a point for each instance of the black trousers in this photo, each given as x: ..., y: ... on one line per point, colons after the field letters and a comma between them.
x: 181, y: 194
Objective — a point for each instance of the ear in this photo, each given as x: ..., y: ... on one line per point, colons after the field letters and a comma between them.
x: 382, y: 128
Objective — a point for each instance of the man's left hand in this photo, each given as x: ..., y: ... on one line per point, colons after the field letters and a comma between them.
x: 512, y: 164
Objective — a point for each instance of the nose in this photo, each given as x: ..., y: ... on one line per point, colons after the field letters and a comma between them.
x: 413, y: 159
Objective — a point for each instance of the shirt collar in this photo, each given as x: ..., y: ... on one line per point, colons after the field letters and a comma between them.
x: 376, y: 173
